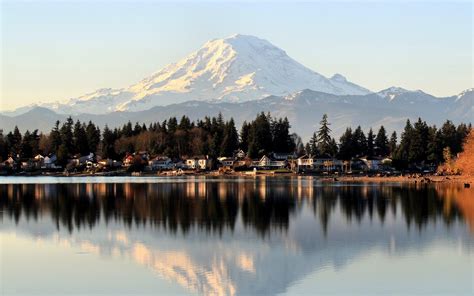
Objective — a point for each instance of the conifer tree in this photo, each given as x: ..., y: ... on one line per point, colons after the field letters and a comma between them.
x: 370, y: 145
x: 382, y: 148
x: 324, y: 137
x: 346, y: 145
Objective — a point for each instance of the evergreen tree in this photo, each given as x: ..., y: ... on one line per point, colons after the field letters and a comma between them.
x: 281, y: 139
x: 93, y: 137
x: 3, y: 147
x: 313, y: 145
x: 231, y: 140
x: 108, y: 142
x: 260, y: 140
x: 382, y: 148
x: 346, y: 145
x: 434, y: 149
x: 418, y: 142
x: 244, y: 136
x: 26, y: 149
x: 370, y: 145
x: 55, y: 136
x: 80, y: 145
x: 359, y: 142
x: 393, y: 143
x: 324, y: 137
x: 15, y: 141
x: 127, y: 130
x: 66, y: 134
x: 400, y: 158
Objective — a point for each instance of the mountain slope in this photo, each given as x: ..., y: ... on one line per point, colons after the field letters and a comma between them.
x: 304, y: 109
x: 235, y: 69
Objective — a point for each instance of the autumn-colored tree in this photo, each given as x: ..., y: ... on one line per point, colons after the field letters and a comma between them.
x: 465, y: 161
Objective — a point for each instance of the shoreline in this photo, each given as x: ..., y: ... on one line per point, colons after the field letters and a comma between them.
x: 324, y: 178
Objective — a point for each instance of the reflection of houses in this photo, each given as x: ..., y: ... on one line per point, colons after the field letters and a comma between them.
x: 198, y: 163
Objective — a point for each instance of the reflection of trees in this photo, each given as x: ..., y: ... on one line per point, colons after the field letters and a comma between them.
x: 214, y: 206
x: 419, y: 205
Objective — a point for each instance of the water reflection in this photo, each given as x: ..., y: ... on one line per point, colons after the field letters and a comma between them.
x: 240, y: 236
x: 214, y: 206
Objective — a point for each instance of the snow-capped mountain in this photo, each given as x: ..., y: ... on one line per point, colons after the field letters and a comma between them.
x: 234, y: 69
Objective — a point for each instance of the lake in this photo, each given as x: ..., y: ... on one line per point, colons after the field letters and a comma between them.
x: 233, y: 236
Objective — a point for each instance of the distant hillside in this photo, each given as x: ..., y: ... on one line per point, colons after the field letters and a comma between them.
x: 304, y: 109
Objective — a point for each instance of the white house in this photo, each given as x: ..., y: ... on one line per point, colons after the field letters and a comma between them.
x: 198, y: 162
x: 269, y: 163
x: 305, y: 161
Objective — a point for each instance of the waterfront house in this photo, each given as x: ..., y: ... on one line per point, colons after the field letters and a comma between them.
x: 227, y: 162
x: 377, y: 164
x: 305, y: 162
x: 267, y: 162
x: 111, y: 163
x: 239, y: 154
x: 160, y: 163
x: 198, y: 162
x: 128, y: 160
x: 283, y: 156
x: 10, y: 162
x: 328, y: 165
x: 49, y: 162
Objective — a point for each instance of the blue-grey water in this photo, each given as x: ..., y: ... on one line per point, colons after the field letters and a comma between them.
x: 233, y: 236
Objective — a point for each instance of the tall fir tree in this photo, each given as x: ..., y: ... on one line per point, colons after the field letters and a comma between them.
x: 382, y: 148
x: 324, y: 137
x: 370, y: 145
x: 346, y: 145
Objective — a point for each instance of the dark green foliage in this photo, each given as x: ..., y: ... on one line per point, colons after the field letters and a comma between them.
x: 420, y: 144
x: 325, y: 142
x: 346, y: 145
x: 370, y: 145
x: 382, y: 147
x: 359, y: 143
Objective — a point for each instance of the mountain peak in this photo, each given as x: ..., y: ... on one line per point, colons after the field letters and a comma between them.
x: 338, y: 77
x: 236, y: 68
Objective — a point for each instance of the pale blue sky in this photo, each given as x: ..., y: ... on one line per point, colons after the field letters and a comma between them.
x: 57, y: 50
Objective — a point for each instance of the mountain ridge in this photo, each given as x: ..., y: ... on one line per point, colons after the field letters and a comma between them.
x: 303, y: 108
x: 235, y: 69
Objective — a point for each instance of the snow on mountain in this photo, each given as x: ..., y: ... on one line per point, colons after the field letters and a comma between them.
x: 393, y: 92
x: 467, y: 94
x: 234, y: 69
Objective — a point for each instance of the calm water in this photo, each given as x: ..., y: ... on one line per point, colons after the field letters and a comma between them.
x: 242, y: 236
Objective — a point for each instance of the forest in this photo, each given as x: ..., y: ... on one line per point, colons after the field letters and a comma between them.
x: 418, y: 143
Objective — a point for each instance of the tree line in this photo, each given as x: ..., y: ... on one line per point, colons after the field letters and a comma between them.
x: 213, y: 136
